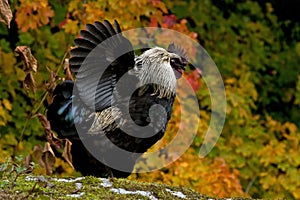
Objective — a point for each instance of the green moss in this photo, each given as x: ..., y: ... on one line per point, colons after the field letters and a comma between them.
x: 40, y: 187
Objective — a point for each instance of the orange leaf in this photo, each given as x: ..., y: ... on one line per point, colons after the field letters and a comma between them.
x: 32, y: 14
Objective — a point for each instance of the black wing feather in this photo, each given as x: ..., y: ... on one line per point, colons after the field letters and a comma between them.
x: 80, y: 52
x: 109, y: 27
x: 102, y: 29
x: 89, y: 36
x: 86, y: 44
x: 92, y: 29
x: 117, y: 25
x: 97, y: 63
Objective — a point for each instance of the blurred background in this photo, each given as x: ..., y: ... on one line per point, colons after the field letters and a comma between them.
x: 255, y: 45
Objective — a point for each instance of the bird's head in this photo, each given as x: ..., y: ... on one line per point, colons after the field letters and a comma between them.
x: 173, y: 58
x: 178, y: 59
x: 163, y: 67
x: 178, y: 64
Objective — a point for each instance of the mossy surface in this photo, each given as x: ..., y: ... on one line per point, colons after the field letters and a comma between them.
x: 41, y: 187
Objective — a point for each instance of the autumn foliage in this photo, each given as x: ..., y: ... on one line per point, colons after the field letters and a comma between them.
x: 257, y: 154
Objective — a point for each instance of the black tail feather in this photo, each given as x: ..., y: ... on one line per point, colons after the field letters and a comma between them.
x: 60, y: 111
x: 66, y: 113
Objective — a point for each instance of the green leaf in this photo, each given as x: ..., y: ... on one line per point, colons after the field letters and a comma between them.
x: 25, y: 39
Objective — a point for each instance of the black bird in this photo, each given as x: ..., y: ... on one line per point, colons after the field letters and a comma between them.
x: 112, y: 105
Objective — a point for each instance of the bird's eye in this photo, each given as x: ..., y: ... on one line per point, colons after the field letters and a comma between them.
x: 177, y: 63
x: 175, y: 60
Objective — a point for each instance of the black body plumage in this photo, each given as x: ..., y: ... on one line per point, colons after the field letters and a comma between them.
x: 99, y: 112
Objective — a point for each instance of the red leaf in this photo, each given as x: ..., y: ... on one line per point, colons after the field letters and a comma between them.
x: 153, y: 22
x: 169, y: 20
x: 194, y: 79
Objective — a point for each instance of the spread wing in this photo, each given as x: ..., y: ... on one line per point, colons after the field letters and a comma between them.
x: 103, y: 55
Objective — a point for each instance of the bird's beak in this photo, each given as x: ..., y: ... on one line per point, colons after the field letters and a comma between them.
x: 183, y: 67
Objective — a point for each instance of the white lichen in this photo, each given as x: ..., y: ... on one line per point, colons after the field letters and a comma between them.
x: 138, y: 192
x: 105, y: 182
x: 78, y: 186
x: 177, y: 194
x: 76, y: 195
x: 68, y: 180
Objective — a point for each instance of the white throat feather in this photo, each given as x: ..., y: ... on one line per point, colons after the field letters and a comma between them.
x: 153, y: 67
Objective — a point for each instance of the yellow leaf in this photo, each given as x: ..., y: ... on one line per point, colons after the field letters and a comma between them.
x: 10, y: 139
x: 73, y: 5
x: 7, y: 62
x: 230, y: 81
x: 6, y: 104
x: 4, y: 116
x: 2, y: 123
x: 296, y: 194
x: 71, y: 27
